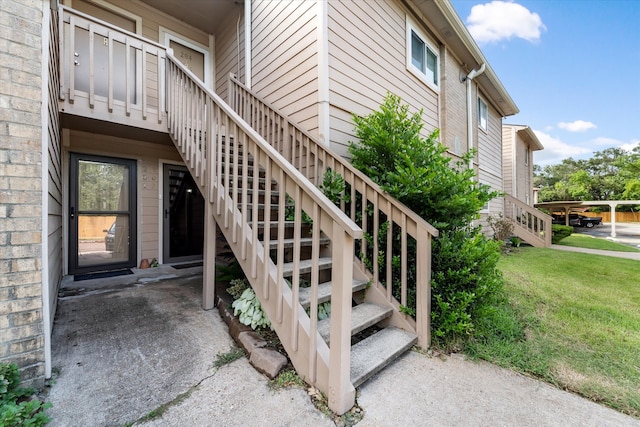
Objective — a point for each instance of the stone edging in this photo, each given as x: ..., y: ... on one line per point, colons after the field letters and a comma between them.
x: 265, y: 360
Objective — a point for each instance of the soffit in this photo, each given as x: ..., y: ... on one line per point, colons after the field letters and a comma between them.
x: 206, y: 15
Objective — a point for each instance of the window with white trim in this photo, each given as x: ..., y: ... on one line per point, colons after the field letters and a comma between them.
x: 483, y: 115
x: 423, y: 59
x: 527, y: 154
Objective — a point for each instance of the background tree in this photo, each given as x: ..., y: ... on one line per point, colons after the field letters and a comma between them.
x: 611, y: 174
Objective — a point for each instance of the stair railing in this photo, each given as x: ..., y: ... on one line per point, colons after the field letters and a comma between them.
x: 367, y: 205
x: 222, y: 151
x: 530, y: 224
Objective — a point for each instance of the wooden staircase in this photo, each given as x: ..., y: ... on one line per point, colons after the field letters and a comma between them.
x: 374, y: 343
x: 299, y: 250
x: 258, y: 173
x: 529, y: 224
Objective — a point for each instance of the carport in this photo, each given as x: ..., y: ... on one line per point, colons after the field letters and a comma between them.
x: 568, y: 206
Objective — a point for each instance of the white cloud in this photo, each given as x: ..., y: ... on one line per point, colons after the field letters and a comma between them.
x: 616, y: 143
x: 502, y: 20
x: 629, y: 146
x: 555, y: 150
x: 608, y: 142
x: 577, y: 126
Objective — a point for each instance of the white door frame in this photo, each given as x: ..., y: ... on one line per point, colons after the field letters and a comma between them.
x: 167, y: 36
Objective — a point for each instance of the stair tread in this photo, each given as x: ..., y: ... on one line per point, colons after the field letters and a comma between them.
x: 362, y: 316
x: 305, y: 266
x: 304, y: 242
x: 324, y: 292
x: 371, y: 355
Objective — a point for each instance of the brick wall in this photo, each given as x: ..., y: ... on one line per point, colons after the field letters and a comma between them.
x: 21, y: 327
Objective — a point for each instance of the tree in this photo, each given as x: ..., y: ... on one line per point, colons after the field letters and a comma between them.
x: 609, y: 175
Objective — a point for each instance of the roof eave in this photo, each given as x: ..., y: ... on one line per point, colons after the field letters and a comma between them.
x: 462, y: 44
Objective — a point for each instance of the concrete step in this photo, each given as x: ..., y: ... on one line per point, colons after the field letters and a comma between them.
x: 371, y: 355
x: 324, y: 292
x: 362, y: 316
x: 305, y: 266
x: 304, y: 242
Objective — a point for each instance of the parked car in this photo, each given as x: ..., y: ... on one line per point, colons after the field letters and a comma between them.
x: 110, y: 238
x: 576, y: 220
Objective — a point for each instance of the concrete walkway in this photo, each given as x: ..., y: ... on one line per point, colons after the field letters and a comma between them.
x: 628, y: 255
x: 123, y: 347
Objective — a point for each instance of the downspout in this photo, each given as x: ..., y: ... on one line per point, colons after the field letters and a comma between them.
x: 472, y: 75
x: 247, y: 43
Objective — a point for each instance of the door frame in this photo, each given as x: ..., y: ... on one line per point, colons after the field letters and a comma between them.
x: 72, y: 186
x: 162, y: 235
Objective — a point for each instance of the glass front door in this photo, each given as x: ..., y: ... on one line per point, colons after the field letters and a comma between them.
x: 183, y: 213
x: 102, y: 213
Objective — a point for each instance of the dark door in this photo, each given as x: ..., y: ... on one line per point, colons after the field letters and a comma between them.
x: 102, y: 213
x: 183, y: 224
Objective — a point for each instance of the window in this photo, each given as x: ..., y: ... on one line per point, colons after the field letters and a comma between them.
x: 483, y: 115
x: 422, y: 58
x: 527, y: 154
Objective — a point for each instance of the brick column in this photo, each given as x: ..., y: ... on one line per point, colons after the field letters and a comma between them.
x: 21, y: 322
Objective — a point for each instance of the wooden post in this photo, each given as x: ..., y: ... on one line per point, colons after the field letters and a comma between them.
x: 341, y: 391
x: 209, y: 257
x: 423, y: 287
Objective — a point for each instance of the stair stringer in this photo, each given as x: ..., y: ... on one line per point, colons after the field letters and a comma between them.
x: 314, y: 369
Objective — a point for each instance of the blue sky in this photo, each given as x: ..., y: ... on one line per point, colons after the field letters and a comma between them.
x: 571, y: 66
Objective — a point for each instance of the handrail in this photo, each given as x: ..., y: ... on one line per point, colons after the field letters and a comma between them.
x: 338, y: 159
x: 530, y: 224
x: 318, y: 197
x: 369, y: 206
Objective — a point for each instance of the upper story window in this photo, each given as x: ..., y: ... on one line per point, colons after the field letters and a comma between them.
x: 483, y: 115
x: 527, y: 154
x: 422, y: 58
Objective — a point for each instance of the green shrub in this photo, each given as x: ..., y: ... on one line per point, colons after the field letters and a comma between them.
x: 15, y: 407
x: 418, y: 172
x: 559, y: 232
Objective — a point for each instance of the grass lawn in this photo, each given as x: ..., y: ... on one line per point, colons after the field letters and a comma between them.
x: 571, y: 319
x: 584, y: 241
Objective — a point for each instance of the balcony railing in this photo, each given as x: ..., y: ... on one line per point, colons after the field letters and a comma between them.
x: 110, y: 74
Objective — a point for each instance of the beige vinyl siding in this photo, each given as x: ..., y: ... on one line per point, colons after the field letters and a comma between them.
x: 148, y: 157
x: 367, y: 59
x: 524, y: 173
x: 284, y: 58
x: 54, y: 186
x: 489, y: 145
x: 230, y: 53
x: 454, y: 107
x: 507, y: 159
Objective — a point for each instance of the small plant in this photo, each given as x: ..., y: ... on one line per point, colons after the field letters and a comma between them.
x: 287, y: 378
x: 502, y: 227
x: 16, y: 408
x: 249, y: 310
x: 237, y: 287
x: 333, y: 187
x: 228, y: 357
x: 559, y: 232
x: 515, y: 241
x: 154, y: 263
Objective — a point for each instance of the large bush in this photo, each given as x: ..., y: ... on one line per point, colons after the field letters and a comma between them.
x: 418, y: 172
